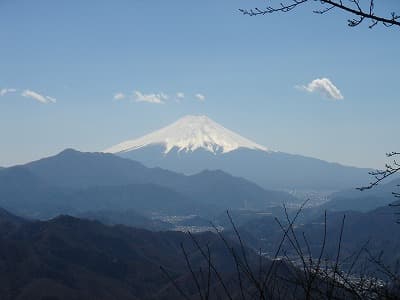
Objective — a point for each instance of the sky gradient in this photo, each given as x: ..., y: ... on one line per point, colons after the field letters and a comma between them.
x: 90, y: 74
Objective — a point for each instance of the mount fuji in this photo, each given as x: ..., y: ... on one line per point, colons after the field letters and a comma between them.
x: 189, y: 134
x: 196, y: 143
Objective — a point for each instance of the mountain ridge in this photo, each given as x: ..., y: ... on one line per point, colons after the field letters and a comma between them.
x: 191, y: 148
x: 74, y: 182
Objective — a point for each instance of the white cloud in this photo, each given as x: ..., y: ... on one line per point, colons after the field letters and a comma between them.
x: 200, y: 97
x: 163, y: 96
x: 38, y: 97
x: 119, y: 96
x: 324, y: 86
x: 4, y: 92
x: 51, y: 99
x: 150, y: 98
x: 179, y: 96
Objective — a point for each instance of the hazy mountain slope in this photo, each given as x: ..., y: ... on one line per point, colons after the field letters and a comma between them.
x: 24, y: 193
x: 268, y: 169
x: 363, y: 201
x: 19, y: 176
x: 7, y: 218
x: 144, y: 198
x: 72, y: 168
x: 73, y: 182
x: 127, y: 217
x: 47, y: 202
x: 224, y: 190
x: 77, y: 169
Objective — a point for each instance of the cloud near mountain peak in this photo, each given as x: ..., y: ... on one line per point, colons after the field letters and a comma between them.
x: 324, y: 86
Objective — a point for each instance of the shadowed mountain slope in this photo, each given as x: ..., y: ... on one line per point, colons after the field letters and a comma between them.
x: 70, y: 258
x: 73, y: 182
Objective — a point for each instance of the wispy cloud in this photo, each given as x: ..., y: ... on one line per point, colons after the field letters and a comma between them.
x: 38, y: 97
x: 200, y: 97
x: 156, y: 98
x: 180, y: 96
x: 6, y: 91
x: 119, y: 96
x: 324, y: 86
x: 150, y: 98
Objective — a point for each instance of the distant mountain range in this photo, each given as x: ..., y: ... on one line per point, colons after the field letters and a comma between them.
x: 196, y: 143
x: 366, y: 200
x: 74, y: 182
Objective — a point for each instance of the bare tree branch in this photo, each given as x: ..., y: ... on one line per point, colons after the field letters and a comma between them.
x: 353, y: 7
x: 380, y: 175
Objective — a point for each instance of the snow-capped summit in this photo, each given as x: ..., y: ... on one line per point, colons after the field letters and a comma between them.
x: 196, y: 143
x: 189, y: 134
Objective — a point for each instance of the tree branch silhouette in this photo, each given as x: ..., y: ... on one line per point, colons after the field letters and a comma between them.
x: 380, y: 175
x: 293, y: 273
x: 354, y: 7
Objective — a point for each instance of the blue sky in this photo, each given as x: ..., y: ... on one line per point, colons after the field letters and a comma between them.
x: 82, y: 53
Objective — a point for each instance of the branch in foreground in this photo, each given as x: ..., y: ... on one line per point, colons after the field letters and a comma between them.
x: 354, y: 7
x: 380, y: 175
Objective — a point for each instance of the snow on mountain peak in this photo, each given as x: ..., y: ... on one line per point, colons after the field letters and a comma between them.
x: 189, y: 134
